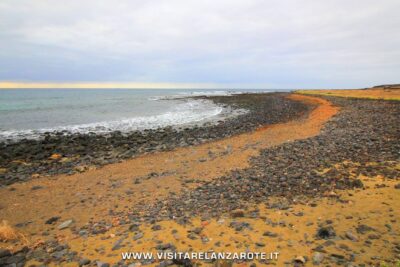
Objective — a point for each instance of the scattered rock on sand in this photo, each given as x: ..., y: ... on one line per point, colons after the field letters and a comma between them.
x: 84, y: 262
x: 36, y: 187
x: 299, y: 261
x: 326, y: 232
x: 117, y: 244
x: 81, y: 168
x: 270, y: 234
x: 237, y: 213
x: 65, y: 224
x: 134, y: 227
x: 102, y: 264
x: 138, y: 236
x: 317, y: 258
x: 156, y: 227
x: 362, y: 229
x: 351, y: 236
x: 52, y: 220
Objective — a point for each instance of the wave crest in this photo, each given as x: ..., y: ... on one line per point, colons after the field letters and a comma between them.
x: 189, y: 112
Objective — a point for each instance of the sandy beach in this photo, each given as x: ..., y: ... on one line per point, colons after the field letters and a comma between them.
x: 312, y: 176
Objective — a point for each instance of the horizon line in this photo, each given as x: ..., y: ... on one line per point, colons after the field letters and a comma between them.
x: 106, y: 85
x: 141, y: 85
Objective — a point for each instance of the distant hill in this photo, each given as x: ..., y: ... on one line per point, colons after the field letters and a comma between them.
x: 388, y: 86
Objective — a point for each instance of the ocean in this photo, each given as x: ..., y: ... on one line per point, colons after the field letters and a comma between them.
x: 28, y: 113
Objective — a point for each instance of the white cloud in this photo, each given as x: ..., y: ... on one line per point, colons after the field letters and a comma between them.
x: 277, y: 43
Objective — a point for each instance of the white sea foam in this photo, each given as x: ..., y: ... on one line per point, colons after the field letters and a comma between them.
x: 210, y: 93
x: 188, y: 112
x: 182, y: 95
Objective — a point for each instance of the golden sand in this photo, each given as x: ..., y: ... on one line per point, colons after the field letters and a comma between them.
x: 373, y: 93
x: 293, y: 240
x: 90, y: 195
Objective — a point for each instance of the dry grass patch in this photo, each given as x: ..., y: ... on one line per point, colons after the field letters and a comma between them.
x: 7, y: 233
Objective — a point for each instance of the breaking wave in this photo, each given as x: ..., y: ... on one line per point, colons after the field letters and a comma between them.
x: 188, y: 112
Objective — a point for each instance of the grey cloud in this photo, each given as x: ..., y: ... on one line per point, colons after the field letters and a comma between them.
x: 258, y: 43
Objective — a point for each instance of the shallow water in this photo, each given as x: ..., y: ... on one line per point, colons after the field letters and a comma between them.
x: 29, y: 113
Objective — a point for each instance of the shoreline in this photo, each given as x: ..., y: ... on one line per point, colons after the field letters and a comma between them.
x: 173, y: 198
x: 57, y: 153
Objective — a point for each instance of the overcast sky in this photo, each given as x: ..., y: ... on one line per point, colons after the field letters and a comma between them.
x: 232, y: 43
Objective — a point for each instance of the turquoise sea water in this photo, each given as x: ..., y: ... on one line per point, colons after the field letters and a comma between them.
x: 31, y: 112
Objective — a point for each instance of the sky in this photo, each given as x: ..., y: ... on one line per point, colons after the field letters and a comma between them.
x: 208, y: 43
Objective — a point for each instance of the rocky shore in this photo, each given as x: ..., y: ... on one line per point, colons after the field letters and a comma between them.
x: 364, y: 132
x: 58, y: 153
x: 363, y: 140
x: 328, y: 200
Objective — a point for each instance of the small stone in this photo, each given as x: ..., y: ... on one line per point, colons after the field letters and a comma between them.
x: 362, y: 229
x: 36, y: 187
x: 317, y: 258
x: 65, y: 224
x: 138, y: 236
x: 81, y: 168
x: 260, y: 244
x: 239, y: 226
x: 102, y: 264
x: 374, y: 236
x: 282, y: 204
x: 117, y: 245
x: 52, y: 220
x: 165, y: 263
x: 338, y: 258
x: 270, y: 234
x: 326, y: 232
x: 351, y: 236
x: 83, y: 262
x: 332, y: 194
x: 299, y: 261
x: 156, y: 227
x: 83, y: 232
x: 192, y: 236
x: 196, y: 230
x: 237, y: 213
x: 134, y: 227
x: 164, y: 246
